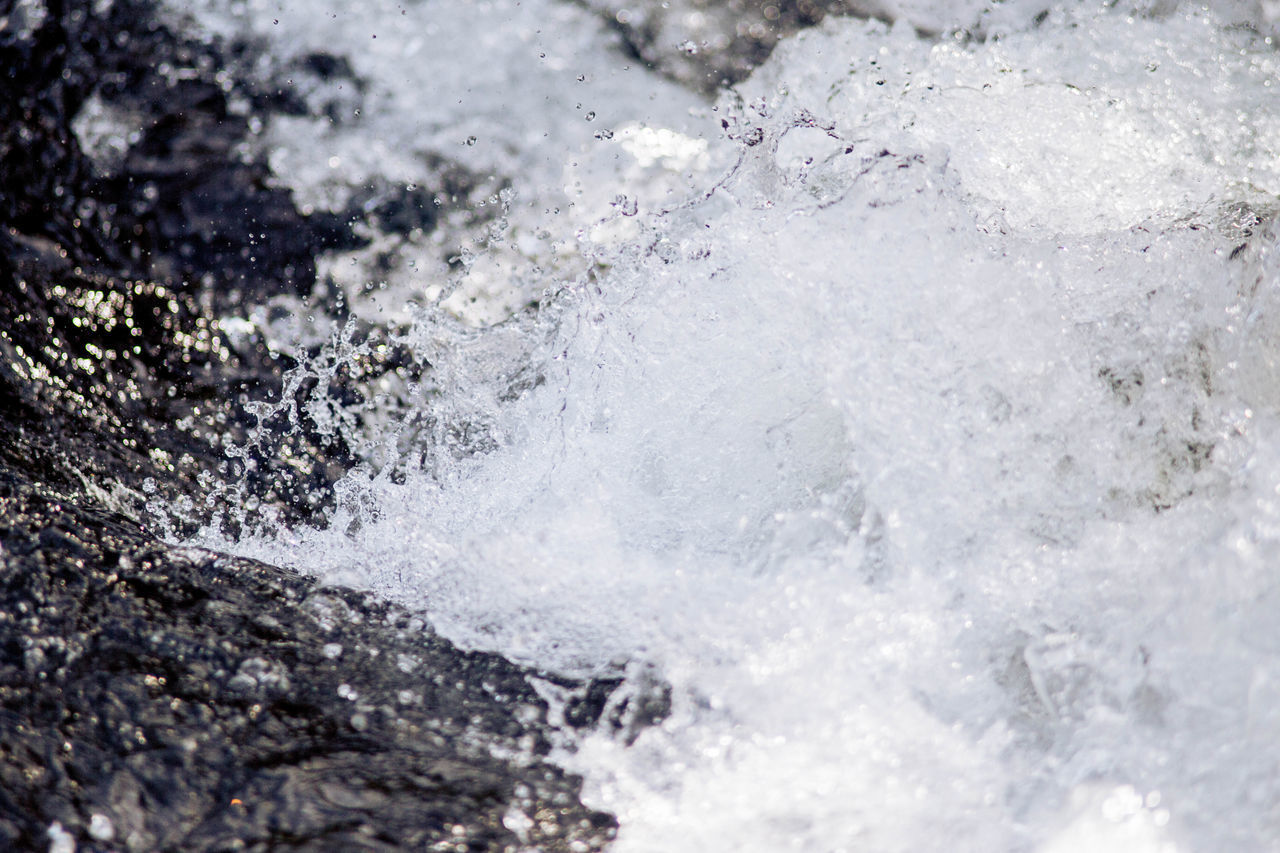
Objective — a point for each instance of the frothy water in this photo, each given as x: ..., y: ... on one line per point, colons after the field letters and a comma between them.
x: 913, y: 414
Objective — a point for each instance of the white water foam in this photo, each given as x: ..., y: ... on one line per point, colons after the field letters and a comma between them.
x: 930, y: 455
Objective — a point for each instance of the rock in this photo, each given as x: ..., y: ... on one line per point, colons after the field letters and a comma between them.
x: 708, y: 45
x: 185, y: 699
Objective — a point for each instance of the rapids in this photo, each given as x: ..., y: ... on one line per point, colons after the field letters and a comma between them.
x: 910, y: 411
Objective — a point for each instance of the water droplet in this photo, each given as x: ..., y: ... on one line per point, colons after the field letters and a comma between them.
x: 591, y: 116
x: 100, y: 828
x: 471, y: 140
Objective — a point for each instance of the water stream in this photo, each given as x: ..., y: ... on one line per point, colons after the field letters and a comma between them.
x: 910, y: 411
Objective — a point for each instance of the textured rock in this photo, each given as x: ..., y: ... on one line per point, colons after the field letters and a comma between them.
x: 194, y: 702
x: 706, y: 44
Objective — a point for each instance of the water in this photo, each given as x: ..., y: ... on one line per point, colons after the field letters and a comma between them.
x: 911, y: 411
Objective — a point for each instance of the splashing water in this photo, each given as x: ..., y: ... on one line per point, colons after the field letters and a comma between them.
x: 930, y: 453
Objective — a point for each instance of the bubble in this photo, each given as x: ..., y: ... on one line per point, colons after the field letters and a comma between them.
x: 101, y: 828
x: 60, y: 841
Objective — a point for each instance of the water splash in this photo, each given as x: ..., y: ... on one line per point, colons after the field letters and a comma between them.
x: 927, y: 452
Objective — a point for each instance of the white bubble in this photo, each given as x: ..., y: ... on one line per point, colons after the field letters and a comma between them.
x: 101, y: 828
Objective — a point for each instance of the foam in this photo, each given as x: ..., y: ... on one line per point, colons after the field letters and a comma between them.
x: 928, y: 453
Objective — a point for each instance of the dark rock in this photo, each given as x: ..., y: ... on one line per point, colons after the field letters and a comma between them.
x: 114, y: 282
x: 199, y: 702
x: 707, y: 45
x: 622, y: 705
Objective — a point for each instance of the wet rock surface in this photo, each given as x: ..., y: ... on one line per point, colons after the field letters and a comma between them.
x: 154, y: 698
x: 708, y: 45
x: 112, y: 287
